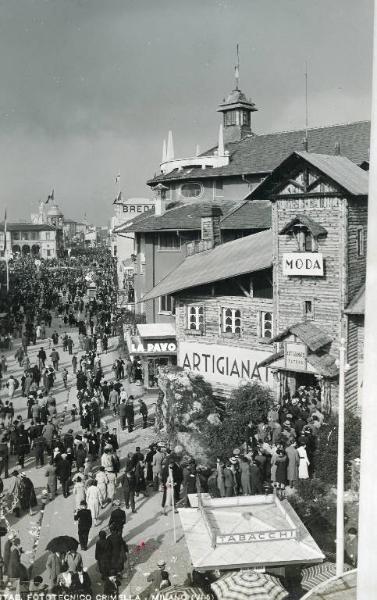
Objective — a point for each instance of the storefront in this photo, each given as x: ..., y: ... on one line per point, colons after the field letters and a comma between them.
x: 303, y: 361
x: 155, y: 346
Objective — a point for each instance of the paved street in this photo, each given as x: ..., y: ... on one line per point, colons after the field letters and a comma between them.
x: 149, y: 535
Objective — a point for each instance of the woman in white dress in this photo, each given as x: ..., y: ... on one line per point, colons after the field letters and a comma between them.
x: 93, y: 500
x: 79, y: 492
x: 102, y: 481
x: 303, y: 472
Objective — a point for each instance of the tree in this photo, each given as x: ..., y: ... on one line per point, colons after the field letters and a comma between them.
x: 327, y: 448
x: 251, y: 401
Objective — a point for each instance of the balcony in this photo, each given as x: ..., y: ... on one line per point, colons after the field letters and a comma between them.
x: 196, y: 162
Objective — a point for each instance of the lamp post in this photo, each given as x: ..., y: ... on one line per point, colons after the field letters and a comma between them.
x: 3, y: 532
x: 343, y: 368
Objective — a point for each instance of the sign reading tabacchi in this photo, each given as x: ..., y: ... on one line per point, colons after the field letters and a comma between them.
x: 303, y: 263
x: 295, y: 356
x: 257, y: 536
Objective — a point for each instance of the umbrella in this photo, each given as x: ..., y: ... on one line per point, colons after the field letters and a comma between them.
x: 181, y: 592
x: 249, y: 585
x: 62, y: 543
x: 316, y: 574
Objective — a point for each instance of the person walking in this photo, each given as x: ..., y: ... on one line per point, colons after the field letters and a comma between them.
x: 144, y: 412
x: 93, y: 500
x: 54, y: 566
x: 245, y: 476
x: 79, y: 492
x: 103, y: 554
x: 55, y: 359
x: 117, y: 518
x: 74, y: 561
x: 64, y: 474
x: 123, y: 413
x: 84, y: 522
x: 129, y: 486
x: 74, y: 363
x: 52, y: 479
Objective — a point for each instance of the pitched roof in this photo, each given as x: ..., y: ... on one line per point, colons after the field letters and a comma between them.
x: 245, y: 255
x: 27, y: 227
x: 357, y: 304
x: 315, y: 228
x: 263, y: 153
x: 249, y: 215
x: 339, y: 169
x: 308, y: 333
x: 183, y: 216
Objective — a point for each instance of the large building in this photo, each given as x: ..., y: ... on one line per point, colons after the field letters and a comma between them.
x: 223, y: 176
x: 30, y: 239
x: 276, y: 304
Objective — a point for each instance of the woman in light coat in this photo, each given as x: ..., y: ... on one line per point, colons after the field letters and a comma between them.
x: 93, y: 500
x: 79, y: 492
x: 102, y: 481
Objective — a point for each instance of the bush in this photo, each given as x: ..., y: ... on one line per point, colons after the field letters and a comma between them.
x: 327, y: 448
x: 248, y: 402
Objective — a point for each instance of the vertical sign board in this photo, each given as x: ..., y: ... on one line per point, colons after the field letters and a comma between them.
x: 303, y: 264
x: 295, y: 355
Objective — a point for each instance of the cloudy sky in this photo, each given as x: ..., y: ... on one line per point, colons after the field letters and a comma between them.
x: 89, y: 88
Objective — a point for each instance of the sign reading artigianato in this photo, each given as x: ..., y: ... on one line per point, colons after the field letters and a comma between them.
x: 222, y: 364
x: 303, y: 263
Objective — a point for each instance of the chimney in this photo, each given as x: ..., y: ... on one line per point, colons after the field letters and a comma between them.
x: 160, y: 199
x: 210, y: 225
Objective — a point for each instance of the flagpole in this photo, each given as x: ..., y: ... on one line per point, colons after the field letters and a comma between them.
x: 6, y: 255
x: 173, y: 504
x: 7, y: 269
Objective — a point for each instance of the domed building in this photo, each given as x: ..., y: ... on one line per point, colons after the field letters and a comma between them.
x: 55, y: 216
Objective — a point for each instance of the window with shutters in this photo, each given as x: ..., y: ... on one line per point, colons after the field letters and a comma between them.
x: 231, y: 320
x: 266, y: 324
x: 195, y: 318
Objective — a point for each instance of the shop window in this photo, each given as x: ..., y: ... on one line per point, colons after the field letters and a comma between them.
x: 16, y: 235
x: 266, y: 324
x: 231, y: 321
x: 169, y: 241
x: 195, y: 318
x: 191, y: 190
x: 308, y: 309
x: 360, y: 242
x: 25, y: 235
x: 167, y: 305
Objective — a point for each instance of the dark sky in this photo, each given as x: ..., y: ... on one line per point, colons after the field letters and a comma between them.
x: 89, y: 88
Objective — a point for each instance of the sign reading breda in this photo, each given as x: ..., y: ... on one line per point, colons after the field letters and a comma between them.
x: 303, y: 263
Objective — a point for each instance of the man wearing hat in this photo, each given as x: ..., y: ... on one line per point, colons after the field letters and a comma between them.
x: 63, y: 471
x: 156, y: 578
x: 157, y: 466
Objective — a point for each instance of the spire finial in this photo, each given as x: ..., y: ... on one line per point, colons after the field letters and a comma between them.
x: 237, y: 68
x: 164, y: 151
x: 170, y: 147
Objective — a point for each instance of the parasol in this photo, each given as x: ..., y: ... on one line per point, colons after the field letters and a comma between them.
x: 246, y: 585
x: 316, y: 574
x: 62, y: 543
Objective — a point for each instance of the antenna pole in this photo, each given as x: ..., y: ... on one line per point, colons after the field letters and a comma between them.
x: 306, y: 108
x: 237, y: 68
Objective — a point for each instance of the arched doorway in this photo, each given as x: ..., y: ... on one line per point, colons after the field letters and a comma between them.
x: 25, y: 250
x: 35, y: 250
x: 16, y: 249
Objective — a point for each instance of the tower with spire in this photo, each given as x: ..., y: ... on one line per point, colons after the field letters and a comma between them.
x: 236, y: 111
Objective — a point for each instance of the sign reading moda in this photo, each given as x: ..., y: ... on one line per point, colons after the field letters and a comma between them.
x: 303, y: 264
x: 222, y: 364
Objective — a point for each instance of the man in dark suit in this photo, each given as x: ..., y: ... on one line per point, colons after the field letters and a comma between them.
x: 81, y: 584
x: 117, y: 518
x: 84, y: 522
x: 63, y: 469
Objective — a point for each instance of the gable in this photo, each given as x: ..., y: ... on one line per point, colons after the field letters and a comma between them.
x: 308, y: 181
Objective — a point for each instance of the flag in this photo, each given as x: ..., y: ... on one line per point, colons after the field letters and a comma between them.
x: 50, y: 197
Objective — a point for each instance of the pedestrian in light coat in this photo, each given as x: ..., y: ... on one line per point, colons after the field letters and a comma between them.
x: 293, y: 463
